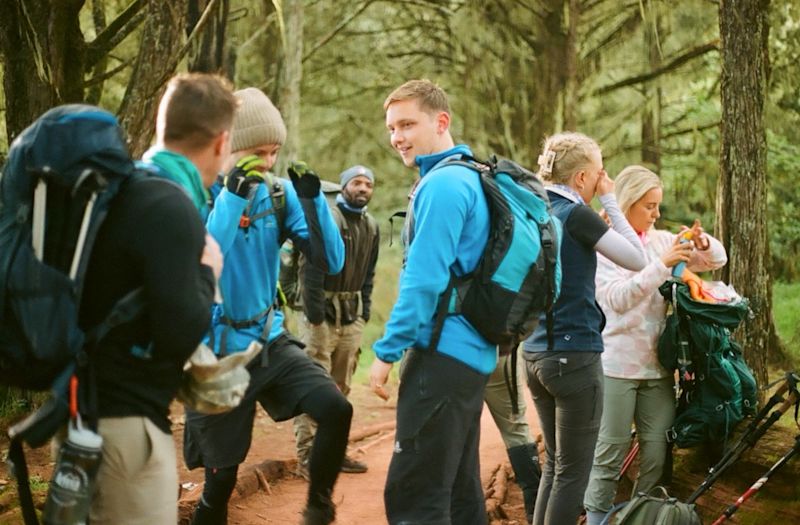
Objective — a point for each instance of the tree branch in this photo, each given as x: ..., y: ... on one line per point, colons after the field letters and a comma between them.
x: 102, y: 77
x: 666, y: 68
x: 341, y: 25
x: 115, y: 32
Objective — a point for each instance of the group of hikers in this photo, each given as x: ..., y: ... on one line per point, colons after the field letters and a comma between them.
x: 207, y: 248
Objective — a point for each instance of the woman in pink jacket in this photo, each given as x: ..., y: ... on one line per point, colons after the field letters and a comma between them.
x: 636, y: 387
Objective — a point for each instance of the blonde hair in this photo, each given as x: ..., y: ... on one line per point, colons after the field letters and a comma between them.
x: 632, y: 184
x: 565, y: 153
x: 432, y: 98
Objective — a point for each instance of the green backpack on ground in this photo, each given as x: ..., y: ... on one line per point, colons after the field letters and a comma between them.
x: 654, y: 509
x: 717, y: 388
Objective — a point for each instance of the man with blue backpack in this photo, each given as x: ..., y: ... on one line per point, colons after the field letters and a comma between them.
x: 252, y: 216
x: 443, y: 320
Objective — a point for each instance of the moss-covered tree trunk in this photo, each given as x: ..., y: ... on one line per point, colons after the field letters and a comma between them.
x: 742, y: 187
x: 291, y: 77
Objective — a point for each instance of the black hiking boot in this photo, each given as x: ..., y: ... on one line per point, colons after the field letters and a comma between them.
x: 205, y: 515
x: 525, y: 462
x: 353, y: 466
x: 320, y: 510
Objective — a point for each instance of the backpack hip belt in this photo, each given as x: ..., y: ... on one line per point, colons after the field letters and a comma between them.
x: 336, y: 299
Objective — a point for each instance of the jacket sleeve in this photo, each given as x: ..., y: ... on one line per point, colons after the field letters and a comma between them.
x: 223, y: 221
x: 313, y: 290
x: 178, y: 289
x: 440, y: 212
x: 621, y: 289
x: 711, y: 259
x: 366, y: 288
x: 313, y: 230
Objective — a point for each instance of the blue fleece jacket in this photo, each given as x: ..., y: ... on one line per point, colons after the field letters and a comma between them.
x: 251, y: 256
x: 451, y: 227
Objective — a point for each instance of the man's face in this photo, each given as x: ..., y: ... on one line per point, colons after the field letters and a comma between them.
x: 358, y: 191
x: 412, y: 131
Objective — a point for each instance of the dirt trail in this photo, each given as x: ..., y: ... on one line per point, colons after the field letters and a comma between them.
x: 359, y: 497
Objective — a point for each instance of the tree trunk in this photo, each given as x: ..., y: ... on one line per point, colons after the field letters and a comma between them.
x: 42, y: 49
x: 742, y: 187
x: 570, y: 108
x: 209, y: 54
x: 162, y: 37
x: 651, y: 111
x: 290, y: 82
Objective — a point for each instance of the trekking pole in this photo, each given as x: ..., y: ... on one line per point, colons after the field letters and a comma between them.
x: 753, y: 433
x: 760, y: 483
x: 628, y: 461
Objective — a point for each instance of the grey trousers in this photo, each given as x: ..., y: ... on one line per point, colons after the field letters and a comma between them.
x: 567, y: 389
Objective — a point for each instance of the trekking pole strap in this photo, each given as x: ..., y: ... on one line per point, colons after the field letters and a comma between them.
x: 16, y: 459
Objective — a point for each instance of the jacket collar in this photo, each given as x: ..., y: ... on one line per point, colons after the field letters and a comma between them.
x: 427, y: 163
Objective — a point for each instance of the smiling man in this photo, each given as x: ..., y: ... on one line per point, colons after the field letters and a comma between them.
x: 336, y: 307
x: 434, y: 475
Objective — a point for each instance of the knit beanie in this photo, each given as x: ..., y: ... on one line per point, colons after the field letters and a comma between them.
x: 355, y: 171
x: 257, y: 121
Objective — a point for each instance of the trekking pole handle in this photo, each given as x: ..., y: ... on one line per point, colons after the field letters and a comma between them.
x: 73, y: 397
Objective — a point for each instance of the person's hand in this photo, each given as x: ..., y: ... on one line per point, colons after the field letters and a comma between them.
x: 605, y: 184
x: 699, y: 237
x: 212, y: 256
x: 604, y: 215
x: 678, y: 252
x: 378, y: 375
x: 305, y: 181
x: 247, y: 172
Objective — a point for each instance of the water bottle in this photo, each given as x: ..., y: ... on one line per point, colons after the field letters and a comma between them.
x: 677, y: 270
x: 70, y: 493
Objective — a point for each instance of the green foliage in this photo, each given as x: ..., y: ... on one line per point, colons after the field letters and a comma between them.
x: 786, y: 310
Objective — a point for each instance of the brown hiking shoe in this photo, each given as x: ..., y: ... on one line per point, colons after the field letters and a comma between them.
x: 352, y: 466
x: 321, y: 513
x: 301, y: 470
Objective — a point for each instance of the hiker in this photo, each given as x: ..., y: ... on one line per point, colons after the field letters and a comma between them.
x: 153, y: 237
x: 521, y: 449
x: 180, y: 127
x: 564, y: 371
x: 337, y: 307
x: 636, y: 388
x: 251, y: 217
x: 434, y: 474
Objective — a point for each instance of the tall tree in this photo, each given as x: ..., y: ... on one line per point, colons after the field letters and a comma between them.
x: 291, y: 76
x: 742, y: 185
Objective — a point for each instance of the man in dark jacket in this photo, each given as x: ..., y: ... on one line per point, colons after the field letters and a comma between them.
x: 336, y: 307
x: 154, y: 238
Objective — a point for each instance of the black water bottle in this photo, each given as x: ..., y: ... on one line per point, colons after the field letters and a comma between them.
x: 70, y: 494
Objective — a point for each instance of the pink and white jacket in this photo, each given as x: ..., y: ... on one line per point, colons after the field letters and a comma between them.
x: 635, y: 311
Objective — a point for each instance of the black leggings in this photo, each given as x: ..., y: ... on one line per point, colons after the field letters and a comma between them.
x: 328, y: 407
x: 332, y: 412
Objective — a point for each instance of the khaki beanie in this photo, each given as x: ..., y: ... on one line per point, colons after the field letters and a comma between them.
x: 257, y: 121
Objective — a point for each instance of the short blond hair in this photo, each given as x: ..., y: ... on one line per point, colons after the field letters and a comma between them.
x: 565, y: 153
x: 632, y: 184
x: 431, y: 97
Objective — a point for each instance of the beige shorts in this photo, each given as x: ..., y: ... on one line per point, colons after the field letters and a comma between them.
x: 137, y: 483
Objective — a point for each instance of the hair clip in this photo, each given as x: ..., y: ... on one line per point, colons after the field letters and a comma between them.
x: 546, y: 161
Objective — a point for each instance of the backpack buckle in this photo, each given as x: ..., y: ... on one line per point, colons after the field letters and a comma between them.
x: 244, y: 221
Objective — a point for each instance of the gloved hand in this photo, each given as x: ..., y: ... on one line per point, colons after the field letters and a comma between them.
x: 305, y: 181
x: 245, y: 174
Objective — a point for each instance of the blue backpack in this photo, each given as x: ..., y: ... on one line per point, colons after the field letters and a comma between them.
x: 518, y: 278
x: 55, y: 190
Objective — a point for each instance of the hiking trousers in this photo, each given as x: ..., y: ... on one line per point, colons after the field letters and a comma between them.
x: 650, y: 403
x: 513, y: 427
x: 137, y: 483
x: 337, y: 351
x: 434, y: 475
x: 567, y: 389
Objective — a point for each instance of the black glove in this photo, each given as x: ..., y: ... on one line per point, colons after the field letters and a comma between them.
x: 247, y: 173
x: 305, y: 181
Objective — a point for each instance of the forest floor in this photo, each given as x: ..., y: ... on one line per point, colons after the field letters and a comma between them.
x: 269, y: 492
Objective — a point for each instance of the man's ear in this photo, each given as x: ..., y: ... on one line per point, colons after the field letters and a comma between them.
x: 442, y: 122
x: 220, y: 143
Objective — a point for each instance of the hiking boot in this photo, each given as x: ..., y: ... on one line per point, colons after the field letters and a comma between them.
x: 352, y: 466
x: 301, y: 470
x: 320, y: 512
